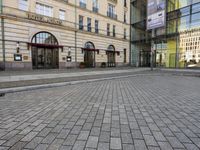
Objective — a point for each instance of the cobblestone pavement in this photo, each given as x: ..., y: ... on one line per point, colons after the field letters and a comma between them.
x: 143, y: 112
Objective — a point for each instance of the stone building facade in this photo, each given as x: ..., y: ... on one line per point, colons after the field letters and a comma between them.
x: 41, y: 34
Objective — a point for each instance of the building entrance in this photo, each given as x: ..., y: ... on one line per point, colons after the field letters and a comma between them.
x: 45, y: 51
x: 111, y: 56
x: 145, y: 59
x: 89, y: 58
x: 89, y: 54
x: 111, y: 59
x: 45, y: 58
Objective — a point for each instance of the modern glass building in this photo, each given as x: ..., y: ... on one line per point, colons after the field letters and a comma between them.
x: 176, y: 45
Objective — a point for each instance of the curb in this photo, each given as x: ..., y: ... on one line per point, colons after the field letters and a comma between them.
x: 52, y: 85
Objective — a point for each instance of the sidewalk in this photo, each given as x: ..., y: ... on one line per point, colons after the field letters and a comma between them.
x: 52, y: 78
x: 19, y: 79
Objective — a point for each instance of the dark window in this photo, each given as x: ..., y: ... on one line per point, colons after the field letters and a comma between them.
x: 82, y: 4
x: 124, y: 55
x: 96, y: 26
x: 81, y: 22
x: 95, y: 6
x: 114, y: 30
x: 89, y: 45
x: 125, y: 3
x: 89, y: 28
x: 124, y: 17
x: 111, y: 11
x: 108, y: 29
x: 124, y: 33
x: 44, y: 38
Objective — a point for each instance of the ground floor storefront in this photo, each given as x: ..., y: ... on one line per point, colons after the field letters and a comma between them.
x: 40, y: 48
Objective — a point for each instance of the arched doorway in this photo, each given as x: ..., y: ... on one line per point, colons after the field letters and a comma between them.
x: 89, y: 54
x: 111, y: 56
x: 45, y: 51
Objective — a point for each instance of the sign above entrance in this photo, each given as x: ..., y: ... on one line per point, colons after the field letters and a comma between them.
x: 45, y: 19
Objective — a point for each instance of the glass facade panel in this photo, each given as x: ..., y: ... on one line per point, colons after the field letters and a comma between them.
x: 178, y: 47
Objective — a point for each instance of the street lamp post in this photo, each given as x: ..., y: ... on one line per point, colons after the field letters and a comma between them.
x: 3, y: 35
x: 75, y: 32
x: 152, y: 49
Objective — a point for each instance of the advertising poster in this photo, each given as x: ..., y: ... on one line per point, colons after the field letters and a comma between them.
x: 155, y: 14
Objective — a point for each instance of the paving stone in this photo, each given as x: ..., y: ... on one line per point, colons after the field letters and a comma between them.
x: 76, y: 130
x: 83, y: 135
x: 45, y: 132
x: 58, y: 128
x: 126, y: 138
x: 56, y: 144
x: 145, y: 130
x: 18, y: 146
x: 87, y: 126
x: 115, y: 132
x: 153, y: 148
x: 2, y: 141
x: 103, y: 146
x: 115, y: 143
x: 159, y: 136
x: 134, y: 125
x: 40, y: 127
x: 128, y: 147
x: 183, y: 138
x: 4, y: 148
x: 29, y: 136
x: 125, y: 128
x: 34, y: 143
x: 13, y: 140
x: 106, y: 127
x: 71, y: 139
x: 95, y: 131
x: 63, y: 134
x: 104, y: 137
x: 191, y: 146
x: 92, y: 142
x: 150, y: 141
x: 165, y: 146
x: 26, y: 130
x: 65, y: 148
x: 140, y: 145
x: 175, y: 142
x: 42, y: 147
x: 49, y: 138
x: 79, y: 145
x: 10, y: 134
x: 136, y: 134
x: 36, y: 123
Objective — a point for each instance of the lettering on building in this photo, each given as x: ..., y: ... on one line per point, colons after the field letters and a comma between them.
x: 45, y: 19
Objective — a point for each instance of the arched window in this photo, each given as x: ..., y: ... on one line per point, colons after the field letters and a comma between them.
x: 111, y: 48
x: 44, y: 38
x: 89, y: 45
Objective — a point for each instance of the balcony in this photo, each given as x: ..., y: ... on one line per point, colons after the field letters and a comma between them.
x: 95, y: 9
x: 82, y: 5
x: 112, y: 15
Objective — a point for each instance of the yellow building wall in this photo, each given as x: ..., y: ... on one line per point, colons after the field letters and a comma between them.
x: 171, y: 53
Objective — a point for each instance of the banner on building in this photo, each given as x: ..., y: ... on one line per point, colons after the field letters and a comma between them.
x: 156, y: 14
